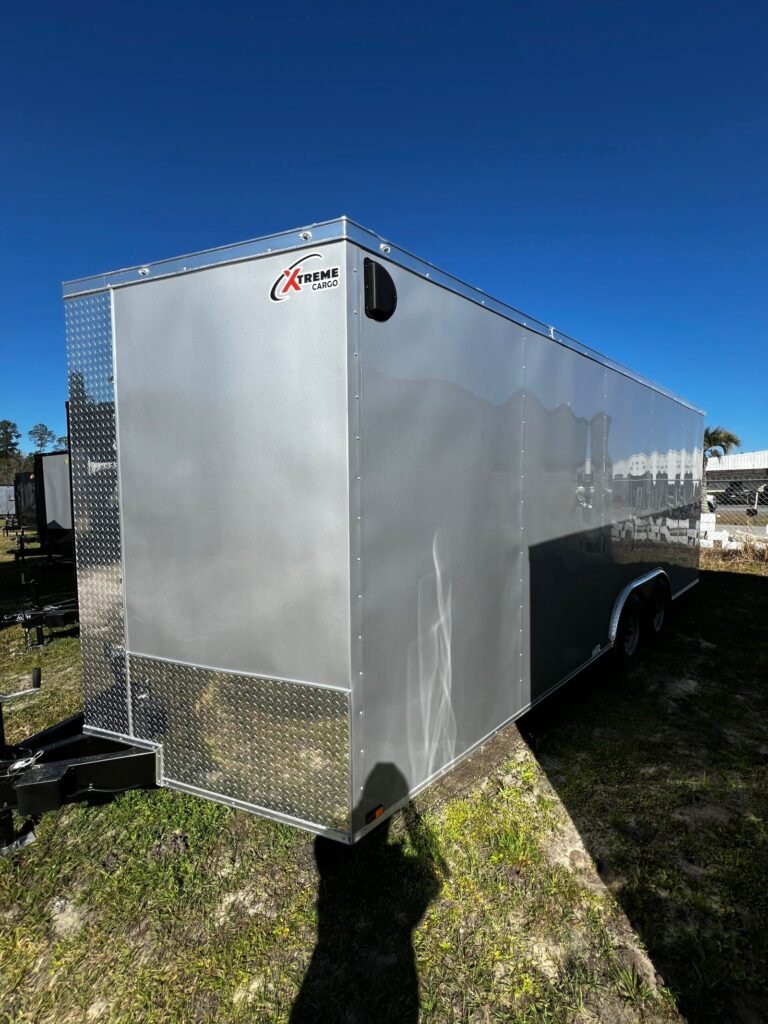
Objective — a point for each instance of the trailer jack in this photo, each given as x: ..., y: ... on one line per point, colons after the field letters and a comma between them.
x: 62, y: 765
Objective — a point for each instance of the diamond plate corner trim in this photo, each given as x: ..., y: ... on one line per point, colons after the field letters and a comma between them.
x: 93, y: 448
x: 266, y: 743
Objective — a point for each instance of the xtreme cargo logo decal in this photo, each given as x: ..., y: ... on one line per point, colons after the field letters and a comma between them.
x: 302, y: 276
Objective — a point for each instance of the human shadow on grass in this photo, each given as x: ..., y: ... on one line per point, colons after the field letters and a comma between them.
x: 371, y: 896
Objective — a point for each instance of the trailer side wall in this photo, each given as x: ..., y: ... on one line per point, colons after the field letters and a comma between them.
x: 511, y: 487
x: 612, y: 485
x: 441, y: 436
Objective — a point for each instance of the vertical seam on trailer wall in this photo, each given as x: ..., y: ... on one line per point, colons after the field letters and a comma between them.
x: 129, y: 707
x: 603, y: 487
x: 521, y: 564
x: 651, y: 484
x: 357, y: 634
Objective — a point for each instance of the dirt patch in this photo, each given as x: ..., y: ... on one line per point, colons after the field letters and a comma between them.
x: 692, y: 870
x: 478, y: 767
x: 567, y: 849
x: 244, y: 901
x: 675, y: 689
x: 172, y: 847
x: 97, y: 1010
x: 547, y: 958
x: 66, y: 918
x: 699, y: 813
x: 259, y: 988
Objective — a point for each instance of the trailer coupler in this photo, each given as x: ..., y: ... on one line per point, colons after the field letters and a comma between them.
x: 63, y: 765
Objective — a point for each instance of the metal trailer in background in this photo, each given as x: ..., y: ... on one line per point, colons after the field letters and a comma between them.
x: 43, y: 502
x: 444, y: 510
x: 25, y: 499
x: 7, y: 500
x: 53, y: 502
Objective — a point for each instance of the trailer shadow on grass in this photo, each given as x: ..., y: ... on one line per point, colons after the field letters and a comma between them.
x: 664, y: 773
x: 371, y: 896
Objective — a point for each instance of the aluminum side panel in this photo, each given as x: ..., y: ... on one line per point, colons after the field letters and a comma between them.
x: 441, y: 405
x: 653, y: 472
x: 568, y: 591
x: 58, y: 501
x: 675, y: 470
x: 264, y: 744
x: 233, y: 462
x: 96, y: 503
x: 611, y: 493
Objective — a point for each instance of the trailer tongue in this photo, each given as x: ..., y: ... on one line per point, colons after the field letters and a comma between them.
x: 61, y: 765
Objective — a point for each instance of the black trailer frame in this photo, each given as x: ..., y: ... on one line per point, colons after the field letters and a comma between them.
x: 62, y: 765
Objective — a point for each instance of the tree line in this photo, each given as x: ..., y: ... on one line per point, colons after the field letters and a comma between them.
x: 12, y: 459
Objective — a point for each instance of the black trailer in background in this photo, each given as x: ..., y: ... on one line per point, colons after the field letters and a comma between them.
x: 46, y: 569
x: 26, y: 501
x: 43, y: 500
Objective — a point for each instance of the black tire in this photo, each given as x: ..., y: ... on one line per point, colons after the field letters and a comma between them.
x: 629, y: 634
x: 657, y: 610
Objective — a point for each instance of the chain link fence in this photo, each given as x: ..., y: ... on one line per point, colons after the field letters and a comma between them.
x: 736, y: 514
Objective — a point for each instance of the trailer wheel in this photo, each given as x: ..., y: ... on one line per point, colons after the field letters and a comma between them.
x: 658, y: 609
x: 630, y: 631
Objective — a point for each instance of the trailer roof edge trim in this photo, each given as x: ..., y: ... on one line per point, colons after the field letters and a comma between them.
x: 339, y: 229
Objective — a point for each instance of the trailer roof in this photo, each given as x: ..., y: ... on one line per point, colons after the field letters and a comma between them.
x: 342, y: 228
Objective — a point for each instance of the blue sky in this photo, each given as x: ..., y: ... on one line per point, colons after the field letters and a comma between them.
x: 602, y: 166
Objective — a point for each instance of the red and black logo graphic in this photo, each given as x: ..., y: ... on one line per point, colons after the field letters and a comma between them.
x: 295, y: 279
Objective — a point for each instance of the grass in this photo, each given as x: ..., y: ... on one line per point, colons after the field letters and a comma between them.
x: 665, y: 781
x: 605, y: 861
x: 751, y: 556
x: 59, y: 661
x: 739, y: 518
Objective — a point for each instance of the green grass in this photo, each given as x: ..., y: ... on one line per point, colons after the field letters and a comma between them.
x: 607, y: 861
x: 61, y: 694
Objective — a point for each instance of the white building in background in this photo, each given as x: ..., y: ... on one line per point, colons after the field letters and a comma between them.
x: 671, y: 464
x: 744, y: 466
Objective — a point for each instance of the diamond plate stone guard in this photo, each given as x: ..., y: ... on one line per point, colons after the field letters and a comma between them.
x: 266, y: 743
x: 93, y: 449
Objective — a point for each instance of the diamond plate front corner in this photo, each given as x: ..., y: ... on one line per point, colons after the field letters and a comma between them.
x: 266, y: 743
x: 93, y: 448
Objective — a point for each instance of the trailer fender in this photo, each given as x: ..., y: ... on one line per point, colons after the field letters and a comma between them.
x: 623, y: 597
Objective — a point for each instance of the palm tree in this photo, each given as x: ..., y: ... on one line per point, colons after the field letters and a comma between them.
x: 717, y: 441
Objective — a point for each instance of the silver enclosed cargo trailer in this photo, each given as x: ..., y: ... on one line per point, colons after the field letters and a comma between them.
x: 53, y: 502
x: 436, y: 511
x: 7, y: 500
